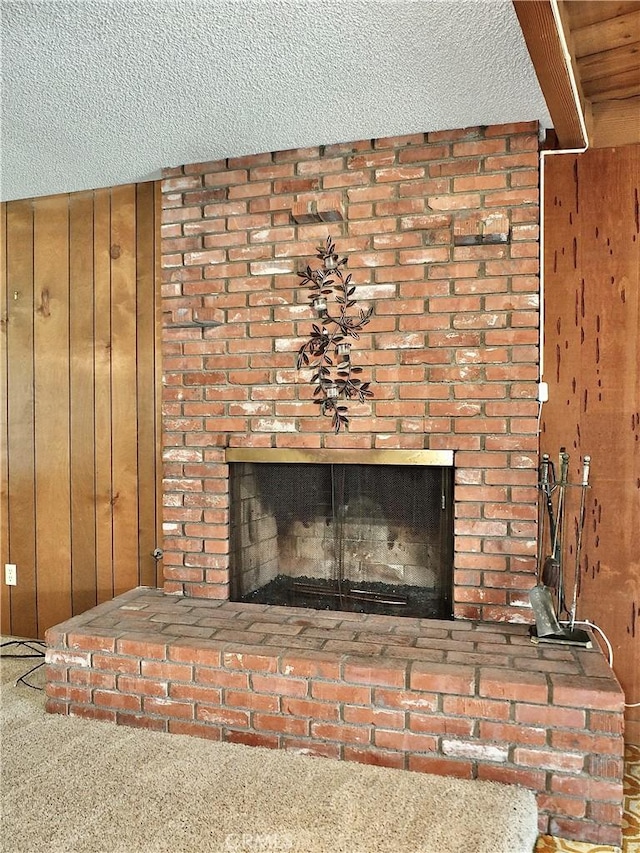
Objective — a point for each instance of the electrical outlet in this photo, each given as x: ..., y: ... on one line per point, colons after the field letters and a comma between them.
x: 10, y: 574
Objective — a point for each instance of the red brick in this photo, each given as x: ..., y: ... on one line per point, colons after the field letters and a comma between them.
x: 221, y: 716
x: 373, y: 716
x: 280, y: 723
x: 604, y: 813
x: 113, y: 699
x: 341, y: 693
x: 280, y: 686
x: 92, y: 642
x: 585, y: 692
x: 386, y: 675
x: 375, y: 757
x: 167, y: 708
x: 168, y: 671
x: 144, y: 686
x: 584, y: 830
x: 534, y: 779
x: 585, y: 742
x: 566, y: 806
x: 519, y: 735
x: 549, y: 760
x: 441, y: 766
x: 248, y: 699
x: 69, y: 693
x: 140, y: 721
x: 188, y: 727
x: 468, y: 707
x: 116, y: 663
x: 341, y: 733
x: 106, y: 680
x: 195, y: 693
x: 603, y: 722
x: 312, y: 709
x: 500, y: 684
x: 405, y: 741
x: 605, y: 765
x: 90, y: 712
x: 253, y: 739
x: 440, y: 725
x: 250, y: 660
x: 443, y: 678
x: 587, y: 787
x: 406, y: 700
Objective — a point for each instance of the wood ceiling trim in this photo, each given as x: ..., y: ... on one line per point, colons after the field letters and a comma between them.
x: 583, y: 14
x: 615, y: 123
x: 545, y: 47
x: 615, y: 32
x: 610, y: 62
x: 623, y: 85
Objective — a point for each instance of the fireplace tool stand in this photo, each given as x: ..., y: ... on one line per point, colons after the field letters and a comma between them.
x: 548, y: 597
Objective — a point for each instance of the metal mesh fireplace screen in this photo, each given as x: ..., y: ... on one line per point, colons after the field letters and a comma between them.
x: 365, y: 538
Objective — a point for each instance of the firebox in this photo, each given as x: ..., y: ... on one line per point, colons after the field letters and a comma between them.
x: 368, y: 532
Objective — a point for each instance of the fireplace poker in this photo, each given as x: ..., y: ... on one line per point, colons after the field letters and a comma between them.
x: 546, y: 486
x: 576, y: 580
x: 551, y: 570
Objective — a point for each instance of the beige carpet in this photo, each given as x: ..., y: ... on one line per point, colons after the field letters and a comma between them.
x: 77, y: 786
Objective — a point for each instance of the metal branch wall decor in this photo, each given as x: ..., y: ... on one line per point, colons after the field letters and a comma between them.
x: 328, y: 350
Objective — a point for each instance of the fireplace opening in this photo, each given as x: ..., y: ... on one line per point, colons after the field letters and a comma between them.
x: 368, y: 538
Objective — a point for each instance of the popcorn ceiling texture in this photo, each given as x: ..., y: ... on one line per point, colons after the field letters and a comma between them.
x: 98, y: 94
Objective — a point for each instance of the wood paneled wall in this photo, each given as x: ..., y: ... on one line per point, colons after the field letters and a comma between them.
x: 80, y: 425
x: 592, y: 365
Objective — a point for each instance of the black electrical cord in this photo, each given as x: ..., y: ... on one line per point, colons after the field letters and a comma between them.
x: 36, y: 653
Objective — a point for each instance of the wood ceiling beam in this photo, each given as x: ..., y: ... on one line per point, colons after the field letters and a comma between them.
x: 546, y: 49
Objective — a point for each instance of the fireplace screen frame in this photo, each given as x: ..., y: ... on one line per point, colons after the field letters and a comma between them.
x: 443, y: 460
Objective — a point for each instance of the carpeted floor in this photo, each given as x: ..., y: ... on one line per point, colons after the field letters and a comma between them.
x: 78, y: 786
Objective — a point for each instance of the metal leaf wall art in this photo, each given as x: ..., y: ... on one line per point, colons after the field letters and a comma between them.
x: 328, y: 351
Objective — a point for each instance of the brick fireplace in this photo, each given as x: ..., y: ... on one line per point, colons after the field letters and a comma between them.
x: 441, y: 235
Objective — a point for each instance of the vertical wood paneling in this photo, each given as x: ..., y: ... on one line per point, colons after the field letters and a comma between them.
x: 146, y: 325
x: 123, y: 389
x: 102, y: 396
x: 82, y: 406
x: 592, y: 350
x: 82, y: 402
x: 5, y: 598
x: 21, y: 515
x: 52, y: 398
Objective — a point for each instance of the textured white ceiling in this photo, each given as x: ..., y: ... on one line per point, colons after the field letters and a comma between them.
x: 103, y: 92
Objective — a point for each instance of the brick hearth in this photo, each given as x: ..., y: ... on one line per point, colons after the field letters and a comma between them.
x: 468, y: 699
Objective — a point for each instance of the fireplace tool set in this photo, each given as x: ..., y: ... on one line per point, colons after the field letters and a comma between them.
x: 549, y: 596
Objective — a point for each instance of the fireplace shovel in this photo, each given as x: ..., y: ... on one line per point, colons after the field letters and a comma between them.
x: 540, y: 596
